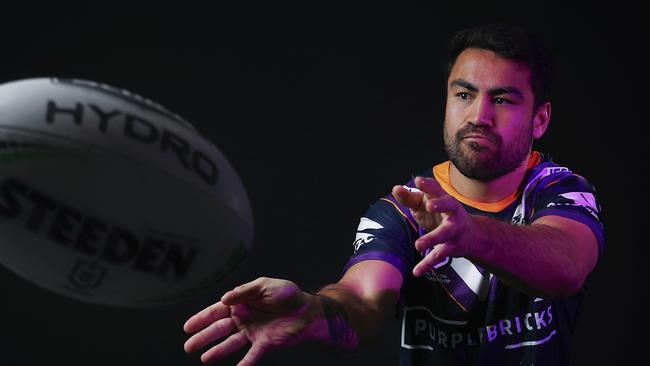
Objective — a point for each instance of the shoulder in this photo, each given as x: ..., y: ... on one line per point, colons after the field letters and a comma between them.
x: 549, y: 175
x: 556, y: 190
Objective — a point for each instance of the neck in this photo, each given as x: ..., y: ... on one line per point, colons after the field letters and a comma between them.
x: 492, y: 191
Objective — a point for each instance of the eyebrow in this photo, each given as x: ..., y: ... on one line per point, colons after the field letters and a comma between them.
x: 494, y: 91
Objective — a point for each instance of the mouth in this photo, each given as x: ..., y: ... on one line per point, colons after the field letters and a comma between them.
x: 476, y: 137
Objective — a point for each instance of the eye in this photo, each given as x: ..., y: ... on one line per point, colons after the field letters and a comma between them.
x: 463, y: 96
x: 501, y: 101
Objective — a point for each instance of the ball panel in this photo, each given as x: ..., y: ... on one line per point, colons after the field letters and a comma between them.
x: 104, y: 121
x: 97, y: 217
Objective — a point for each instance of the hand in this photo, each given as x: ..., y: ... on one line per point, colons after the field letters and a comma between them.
x: 451, y: 231
x: 268, y: 313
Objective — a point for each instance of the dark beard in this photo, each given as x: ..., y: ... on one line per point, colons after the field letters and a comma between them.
x: 481, y: 163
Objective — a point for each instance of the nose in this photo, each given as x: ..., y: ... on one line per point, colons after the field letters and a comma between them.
x: 481, y: 112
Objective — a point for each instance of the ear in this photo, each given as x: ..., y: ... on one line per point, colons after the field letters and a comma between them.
x: 541, y: 119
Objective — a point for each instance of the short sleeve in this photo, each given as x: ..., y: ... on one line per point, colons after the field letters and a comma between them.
x: 573, y: 197
x: 386, y: 233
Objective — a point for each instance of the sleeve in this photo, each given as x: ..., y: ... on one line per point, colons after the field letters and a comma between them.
x: 573, y: 197
x: 386, y: 232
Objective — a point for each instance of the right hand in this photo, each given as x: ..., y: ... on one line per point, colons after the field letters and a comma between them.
x: 417, y: 199
x: 268, y: 313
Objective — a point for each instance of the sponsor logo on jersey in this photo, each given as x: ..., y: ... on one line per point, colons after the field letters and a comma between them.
x: 365, y: 237
x: 464, y: 280
x: 557, y: 169
x: 580, y: 199
x: 518, y: 218
x: 422, y: 329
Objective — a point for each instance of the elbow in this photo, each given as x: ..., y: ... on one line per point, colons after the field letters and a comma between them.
x: 570, y: 287
x: 571, y: 278
x: 563, y: 285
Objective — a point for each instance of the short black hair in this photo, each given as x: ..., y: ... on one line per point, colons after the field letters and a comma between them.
x: 512, y: 43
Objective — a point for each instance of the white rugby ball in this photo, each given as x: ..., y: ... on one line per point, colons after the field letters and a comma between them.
x: 107, y: 197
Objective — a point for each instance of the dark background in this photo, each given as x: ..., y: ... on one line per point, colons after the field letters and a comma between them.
x: 321, y: 110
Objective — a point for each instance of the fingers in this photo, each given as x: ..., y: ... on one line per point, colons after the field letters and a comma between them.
x: 223, y: 349
x: 437, y: 255
x: 221, y: 309
x: 450, y: 238
x: 429, y: 186
x: 206, y: 316
x: 438, y: 239
x: 232, y: 344
x: 246, y: 292
x: 444, y: 204
x: 253, y: 355
x: 408, y: 197
x: 441, y: 234
x: 215, y: 331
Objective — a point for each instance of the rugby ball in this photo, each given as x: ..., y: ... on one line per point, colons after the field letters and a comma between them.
x: 108, y: 197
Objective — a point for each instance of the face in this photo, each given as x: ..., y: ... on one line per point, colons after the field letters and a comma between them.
x: 489, y: 120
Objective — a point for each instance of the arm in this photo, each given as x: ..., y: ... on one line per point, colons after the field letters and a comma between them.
x: 271, y: 313
x: 549, y: 258
x: 366, y: 294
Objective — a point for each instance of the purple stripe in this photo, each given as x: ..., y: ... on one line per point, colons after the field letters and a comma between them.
x: 458, y: 288
x: 378, y: 255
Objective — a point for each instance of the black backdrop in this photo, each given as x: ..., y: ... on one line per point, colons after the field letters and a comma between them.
x: 321, y: 110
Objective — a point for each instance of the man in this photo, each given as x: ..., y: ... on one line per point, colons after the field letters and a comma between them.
x: 485, y: 255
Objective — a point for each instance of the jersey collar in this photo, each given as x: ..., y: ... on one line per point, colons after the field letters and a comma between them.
x: 441, y: 173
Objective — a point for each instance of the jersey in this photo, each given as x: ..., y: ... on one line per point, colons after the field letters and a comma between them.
x: 459, y: 313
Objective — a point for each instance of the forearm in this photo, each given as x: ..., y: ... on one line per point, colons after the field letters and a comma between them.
x: 540, y: 260
x: 344, y: 319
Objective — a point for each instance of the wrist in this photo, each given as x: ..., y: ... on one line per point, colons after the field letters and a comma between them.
x: 479, y: 237
x: 329, y: 323
x: 317, y: 329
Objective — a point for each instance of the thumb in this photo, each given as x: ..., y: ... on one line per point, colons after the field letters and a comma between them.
x: 245, y: 293
x: 409, y: 197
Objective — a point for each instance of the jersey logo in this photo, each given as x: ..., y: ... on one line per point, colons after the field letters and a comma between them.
x: 580, y: 199
x: 366, y: 224
x: 465, y: 282
x: 364, y: 237
x: 558, y: 169
x: 521, y: 214
x: 477, y: 282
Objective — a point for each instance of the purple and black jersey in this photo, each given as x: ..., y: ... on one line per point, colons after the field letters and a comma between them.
x: 460, y: 314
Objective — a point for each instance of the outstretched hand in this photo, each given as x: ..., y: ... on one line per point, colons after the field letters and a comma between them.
x: 450, y: 230
x: 266, y: 313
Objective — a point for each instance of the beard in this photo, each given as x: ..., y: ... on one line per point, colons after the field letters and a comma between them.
x: 483, y: 162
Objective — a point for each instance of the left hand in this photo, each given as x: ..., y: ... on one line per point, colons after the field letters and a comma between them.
x: 267, y: 313
x: 451, y: 231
